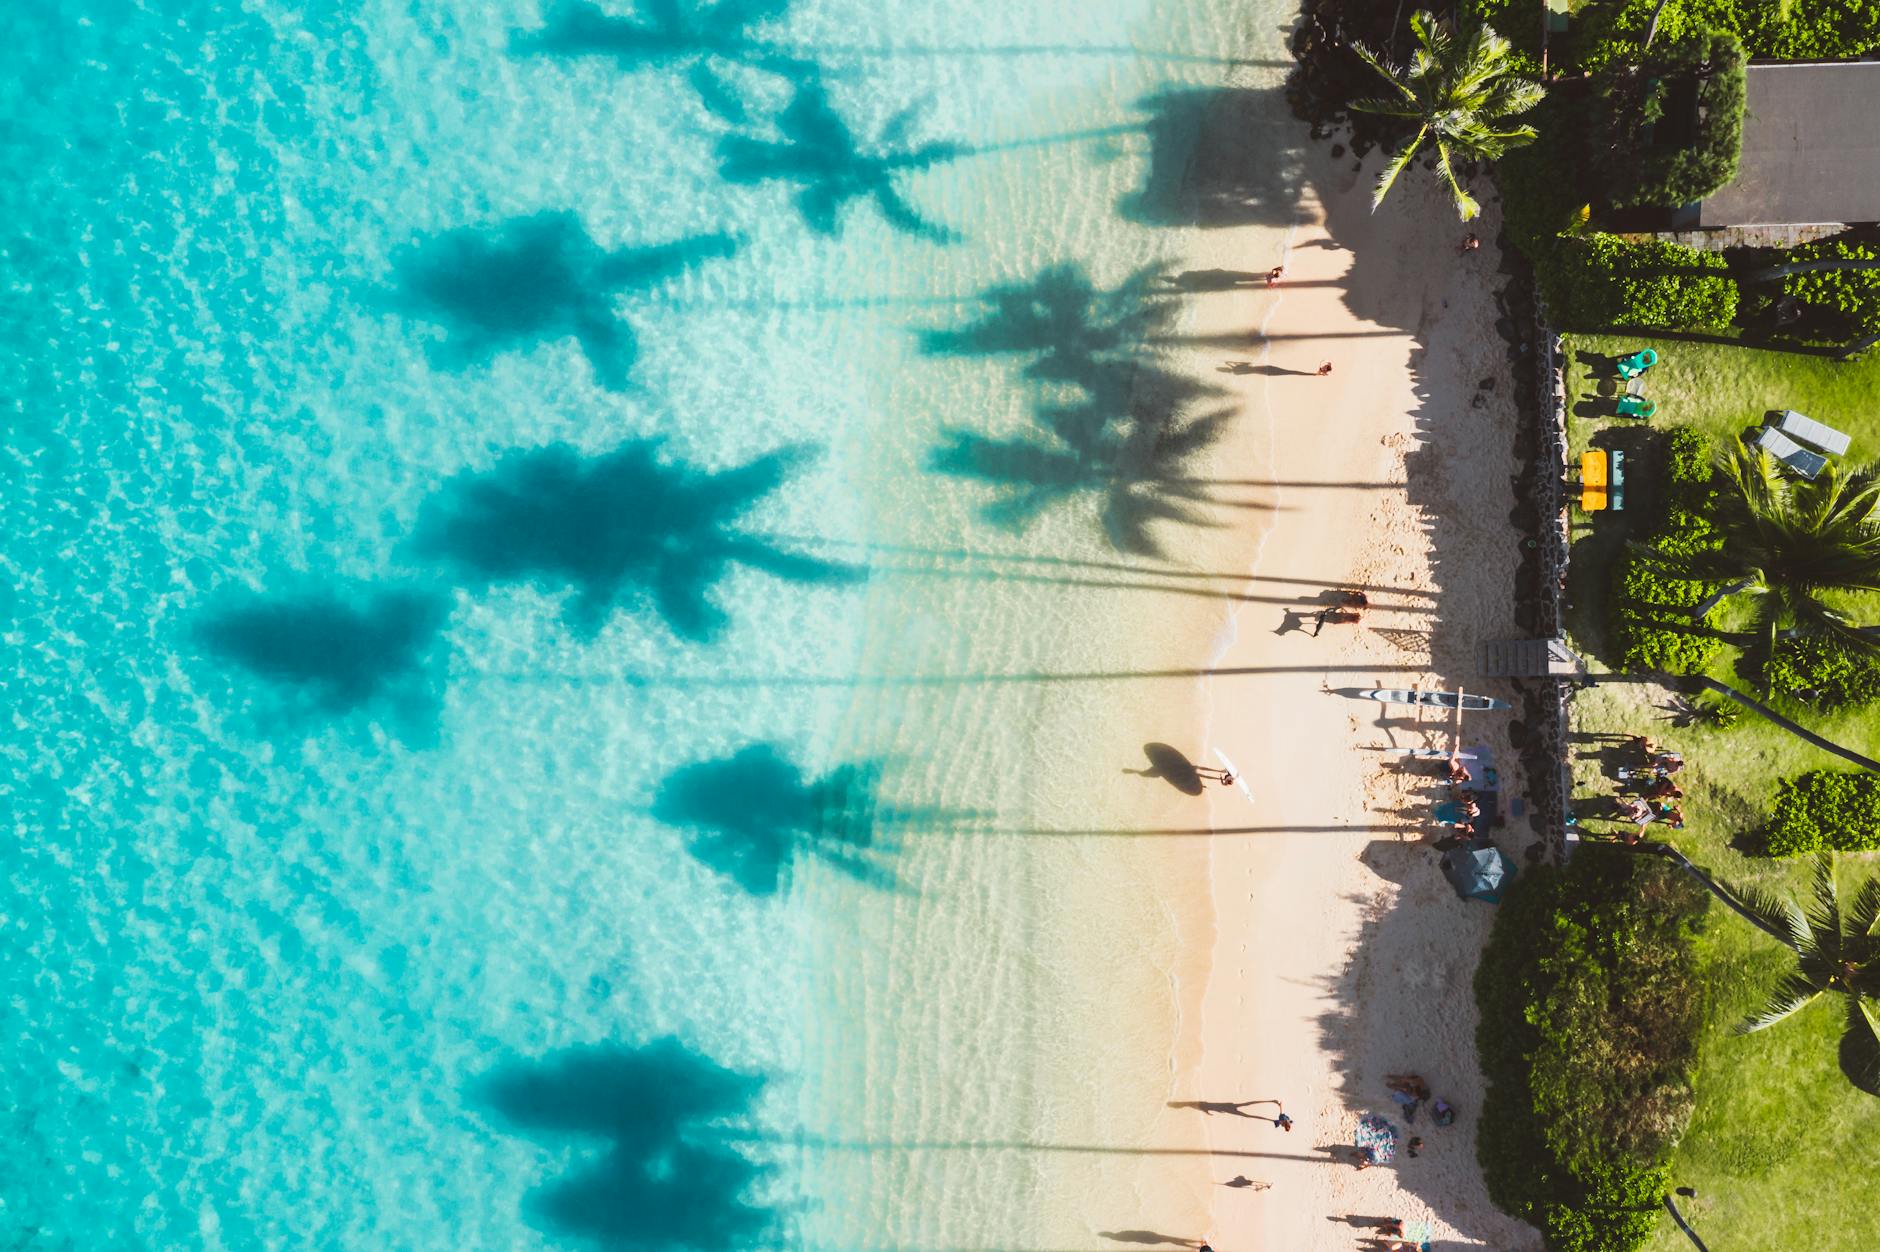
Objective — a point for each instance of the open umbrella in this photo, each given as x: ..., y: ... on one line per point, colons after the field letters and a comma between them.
x: 1377, y: 1138
x: 1478, y: 871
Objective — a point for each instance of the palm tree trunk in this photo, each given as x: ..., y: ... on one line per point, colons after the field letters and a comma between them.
x: 1859, y: 346
x: 1704, y: 609
x: 1710, y: 884
x: 1808, y: 267
x: 1651, y: 32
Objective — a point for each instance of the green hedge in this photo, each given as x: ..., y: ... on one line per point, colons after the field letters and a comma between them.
x: 1598, y: 281
x: 1824, y: 671
x: 1589, y: 1021
x: 1825, y: 809
x: 1613, y: 30
x: 1836, y: 305
x: 1631, y: 127
x: 1649, y: 609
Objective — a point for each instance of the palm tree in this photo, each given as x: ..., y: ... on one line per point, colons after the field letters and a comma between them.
x: 1787, y: 541
x: 1837, y: 951
x: 1457, y: 89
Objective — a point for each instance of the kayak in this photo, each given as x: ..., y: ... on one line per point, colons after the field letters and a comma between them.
x: 1438, y: 699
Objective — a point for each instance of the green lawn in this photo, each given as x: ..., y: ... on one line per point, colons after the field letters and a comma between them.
x: 1780, y: 1147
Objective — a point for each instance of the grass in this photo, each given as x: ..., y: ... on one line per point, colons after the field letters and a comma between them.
x: 1779, y: 1146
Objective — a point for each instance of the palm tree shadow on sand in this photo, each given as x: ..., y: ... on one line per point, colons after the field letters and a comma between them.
x: 332, y: 652
x: 627, y: 529
x: 1114, y: 427
x: 664, y: 1178
x: 753, y: 815
x: 1219, y: 157
x: 531, y: 280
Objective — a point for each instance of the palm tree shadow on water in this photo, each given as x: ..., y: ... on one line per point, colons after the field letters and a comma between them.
x: 335, y: 651
x: 753, y: 815
x: 530, y: 280
x: 704, y: 40
x: 628, y: 529
x: 1114, y: 426
x: 663, y: 1175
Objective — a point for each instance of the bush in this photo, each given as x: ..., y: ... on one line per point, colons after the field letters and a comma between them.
x: 1588, y: 1035
x: 1669, y: 131
x: 1835, y: 305
x: 1600, y: 281
x: 1825, y: 809
x: 1614, y: 30
x: 1823, y: 670
x: 1690, y: 461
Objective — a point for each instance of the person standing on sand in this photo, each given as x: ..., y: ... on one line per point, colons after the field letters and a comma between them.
x: 1274, y: 275
x: 1283, y: 1122
x: 1325, y: 369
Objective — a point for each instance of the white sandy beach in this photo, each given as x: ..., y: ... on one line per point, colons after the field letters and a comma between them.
x: 1339, y: 954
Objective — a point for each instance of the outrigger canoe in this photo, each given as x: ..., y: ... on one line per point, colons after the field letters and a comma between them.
x: 1438, y: 699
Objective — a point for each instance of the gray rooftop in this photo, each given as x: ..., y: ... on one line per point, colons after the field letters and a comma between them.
x: 1811, y: 148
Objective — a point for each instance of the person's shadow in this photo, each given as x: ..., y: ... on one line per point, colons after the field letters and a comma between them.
x: 1171, y: 766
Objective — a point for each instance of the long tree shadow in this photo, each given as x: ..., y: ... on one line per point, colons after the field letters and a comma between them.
x: 533, y: 279
x: 703, y: 39
x: 1218, y: 156
x: 1114, y: 427
x: 625, y: 529
x: 337, y: 651
x: 667, y: 1178
x: 751, y: 816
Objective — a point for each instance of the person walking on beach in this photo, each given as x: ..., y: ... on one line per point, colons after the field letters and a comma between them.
x: 1274, y: 275
x: 1283, y: 1121
x: 1325, y: 369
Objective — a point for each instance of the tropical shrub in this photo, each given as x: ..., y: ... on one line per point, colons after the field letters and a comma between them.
x: 1669, y: 131
x: 1823, y: 670
x: 1601, y: 281
x: 1838, y: 306
x: 1589, y: 1021
x: 1825, y: 809
x: 1615, y: 29
x: 1689, y: 464
x: 1650, y: 605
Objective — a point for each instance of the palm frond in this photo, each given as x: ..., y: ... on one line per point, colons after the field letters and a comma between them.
x: 1864, y: 917
x: 1466, y: 207
x: 1795, y: 994
x: 1778, y: 915
x: 1398, y: 163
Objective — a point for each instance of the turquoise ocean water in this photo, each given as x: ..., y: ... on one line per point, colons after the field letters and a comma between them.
x: 497, y: 504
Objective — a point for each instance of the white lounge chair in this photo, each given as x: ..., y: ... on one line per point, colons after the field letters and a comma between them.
x: 1792, y: 454
x: 1807, y: 429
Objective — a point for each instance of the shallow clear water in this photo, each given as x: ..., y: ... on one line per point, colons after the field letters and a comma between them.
x: 475, y: 513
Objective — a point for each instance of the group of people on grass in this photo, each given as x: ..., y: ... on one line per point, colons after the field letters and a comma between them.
x: 1658, y: 789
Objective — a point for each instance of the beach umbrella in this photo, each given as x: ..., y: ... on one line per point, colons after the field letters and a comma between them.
x: 1377, y: 1137
x: 1478, y: 871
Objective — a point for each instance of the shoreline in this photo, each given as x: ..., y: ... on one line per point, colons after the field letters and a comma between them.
x: 1325, y: 942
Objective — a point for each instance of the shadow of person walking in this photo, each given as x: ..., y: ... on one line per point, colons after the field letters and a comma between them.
x: 1171, y: 766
